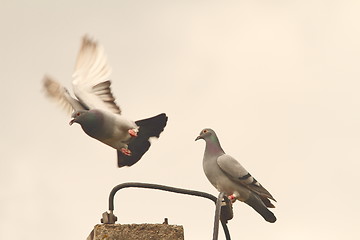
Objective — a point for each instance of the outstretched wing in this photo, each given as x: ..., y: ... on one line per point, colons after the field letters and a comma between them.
x: 59, y: 93
x: 91, y: 78
x: 239, y: 174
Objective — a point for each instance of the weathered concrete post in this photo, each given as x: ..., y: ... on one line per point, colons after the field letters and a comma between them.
x: 137, y: 232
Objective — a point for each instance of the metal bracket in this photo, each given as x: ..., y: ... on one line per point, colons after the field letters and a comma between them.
x: 108, y: 218
x: 223, y: 211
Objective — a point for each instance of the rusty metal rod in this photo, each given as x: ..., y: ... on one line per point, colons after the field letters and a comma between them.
x: 217, y: 201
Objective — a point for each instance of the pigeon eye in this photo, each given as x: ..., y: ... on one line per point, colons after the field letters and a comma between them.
x: 77, y: 114
x: 205, y: 131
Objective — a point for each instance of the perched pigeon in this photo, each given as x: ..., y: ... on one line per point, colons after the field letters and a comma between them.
x: 95, y: 108
x: 228, y: 176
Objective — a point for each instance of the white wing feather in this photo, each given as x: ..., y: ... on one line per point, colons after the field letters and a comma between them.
x: 91, y: 78
x: 59, y: 93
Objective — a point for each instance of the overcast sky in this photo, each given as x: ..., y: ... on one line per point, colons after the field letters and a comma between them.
x: 277, y: 80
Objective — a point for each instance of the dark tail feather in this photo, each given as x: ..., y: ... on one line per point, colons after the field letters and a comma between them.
x: 256, y: 203
x: 138, y: 148
x: 150, y: 127
x: 267, y: 202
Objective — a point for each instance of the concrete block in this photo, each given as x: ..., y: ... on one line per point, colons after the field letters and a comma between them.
x: 137, y: 232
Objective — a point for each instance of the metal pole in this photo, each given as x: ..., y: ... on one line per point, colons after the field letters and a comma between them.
x: 217, y: 216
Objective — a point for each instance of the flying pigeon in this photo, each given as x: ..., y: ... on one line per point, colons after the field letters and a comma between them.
x: 94, y: 107
x: 227, y: 175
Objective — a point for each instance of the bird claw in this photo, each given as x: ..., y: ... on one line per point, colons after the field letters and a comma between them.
x: 133, y: 132
x: 126, y: 151
x: 232, y: 198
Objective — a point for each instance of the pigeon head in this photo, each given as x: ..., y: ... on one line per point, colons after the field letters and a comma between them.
x: 212, y: 142
x: 206, y: 134
x: 87, y: 118
x: 79, y: 117
x: 90, y: 121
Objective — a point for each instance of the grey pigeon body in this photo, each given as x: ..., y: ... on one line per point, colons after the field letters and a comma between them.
x: 227, y: 175
x: 94, y: 107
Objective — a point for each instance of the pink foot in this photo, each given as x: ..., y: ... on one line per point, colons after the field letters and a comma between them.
x: 133, y: 132
x: 126, y: 151
x: 232, y: 198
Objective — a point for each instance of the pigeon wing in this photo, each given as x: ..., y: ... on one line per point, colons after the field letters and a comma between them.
x: 91, y: 78
x: 59, y: 93
x: 239, y: 174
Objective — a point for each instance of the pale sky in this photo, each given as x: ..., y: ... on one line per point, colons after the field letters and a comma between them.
x: 277, y: 80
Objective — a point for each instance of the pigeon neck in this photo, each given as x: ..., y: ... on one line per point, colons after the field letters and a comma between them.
x: 91, y: 125
x: 213, y: 145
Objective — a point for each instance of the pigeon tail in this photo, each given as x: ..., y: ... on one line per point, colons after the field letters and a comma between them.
x: 150, y: 127
x: 256, y: 203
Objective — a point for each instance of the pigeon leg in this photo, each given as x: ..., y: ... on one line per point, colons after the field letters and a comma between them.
x: 233, y: 197
x: 126, y: 151
x: 133, y: 132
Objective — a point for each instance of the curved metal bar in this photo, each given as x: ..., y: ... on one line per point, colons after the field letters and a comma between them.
x: 217, y: 201
x: 158, y: 187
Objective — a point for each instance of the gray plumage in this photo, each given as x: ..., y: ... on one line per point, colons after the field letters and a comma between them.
x: 94, y: 107
x: 229, y: 176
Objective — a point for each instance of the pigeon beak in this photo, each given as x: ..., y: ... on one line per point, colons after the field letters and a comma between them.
x: 72, y: 121
x: 198, y: 137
